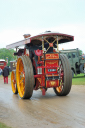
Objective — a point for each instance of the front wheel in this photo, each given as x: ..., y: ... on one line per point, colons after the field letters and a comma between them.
x: 72, y: 73
x: 13, y: 82
x: 82, y: 68
x: 25, y: 77
x: 66, y: 77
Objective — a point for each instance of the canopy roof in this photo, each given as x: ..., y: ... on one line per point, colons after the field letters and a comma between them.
x: 2, y: 60
x: 37, y: 40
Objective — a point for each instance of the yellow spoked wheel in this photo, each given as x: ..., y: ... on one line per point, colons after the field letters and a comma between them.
x: 13, y: 82
x: 25, y: 77
x: 66, y: 77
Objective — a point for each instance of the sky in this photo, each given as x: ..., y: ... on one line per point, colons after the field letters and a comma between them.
x: 19, y: 17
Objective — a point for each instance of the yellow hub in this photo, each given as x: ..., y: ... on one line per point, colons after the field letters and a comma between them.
x: 59, y: 89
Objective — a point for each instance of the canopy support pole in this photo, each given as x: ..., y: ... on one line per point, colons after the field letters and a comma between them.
x: 42, y: 44
x: 57, y: 45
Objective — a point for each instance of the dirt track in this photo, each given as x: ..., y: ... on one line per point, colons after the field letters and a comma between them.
x: 43, y: 111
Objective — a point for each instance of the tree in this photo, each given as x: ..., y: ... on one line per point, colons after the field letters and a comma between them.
x: 4, y: 54
x: 81, y: 52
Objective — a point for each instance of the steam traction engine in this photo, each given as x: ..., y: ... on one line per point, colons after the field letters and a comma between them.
x: 40, y: 65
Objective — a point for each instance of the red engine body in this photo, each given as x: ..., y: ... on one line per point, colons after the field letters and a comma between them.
x: 47, y: 75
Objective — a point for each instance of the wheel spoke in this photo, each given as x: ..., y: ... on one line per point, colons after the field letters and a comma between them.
x: 61, y: 73
x: 21, y: 74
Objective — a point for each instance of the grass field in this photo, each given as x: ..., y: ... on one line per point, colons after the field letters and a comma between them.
x: 78, y: 80
x: 3, y: 126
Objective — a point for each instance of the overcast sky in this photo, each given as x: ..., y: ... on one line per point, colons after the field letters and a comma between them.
x: 19, y: 17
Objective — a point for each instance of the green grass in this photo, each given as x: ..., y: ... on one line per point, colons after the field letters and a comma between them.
x: 3, y: 126
x: 78, y: 80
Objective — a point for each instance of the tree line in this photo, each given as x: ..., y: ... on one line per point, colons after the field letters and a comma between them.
x: 7, y: 55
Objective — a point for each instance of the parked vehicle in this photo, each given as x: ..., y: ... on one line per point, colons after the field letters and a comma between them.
x: 77, y: 61
x: 12, y: 65
x: 3, y: 63
x: 39, y: 66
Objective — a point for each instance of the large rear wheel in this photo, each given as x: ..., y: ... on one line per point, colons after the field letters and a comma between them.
x: 13, y: 82
x: 66, y: 77
x: 25, y: 77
